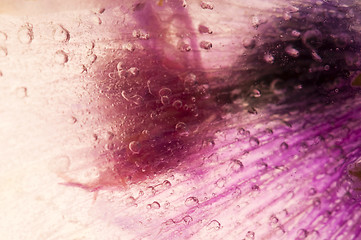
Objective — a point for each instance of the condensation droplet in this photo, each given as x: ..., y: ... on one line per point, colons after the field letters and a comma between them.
x: 206, y: 5
x: 292, y: 51
x: 60, y: 57
x: 3, y: 36
x: 135, y: 147
x: 60, y: 34
x: 25, y: 34
x: 214, y: 225
x: 205, y: 45
x: 191, y: 201
x: 3, y: 52
x: 249, y: 43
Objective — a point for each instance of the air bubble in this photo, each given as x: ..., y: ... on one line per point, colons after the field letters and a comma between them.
x: 97, y: 20
x: 205, y: 45
x: 206, y: 5
x: 273, y: 221
x: 191, y: 201
x: 128, y: 46
x: 60, y: 34
x: 25, y: 34
x: 190, y: 80
x: 133, y: 71
x: 302, y: 234
x: 292, y: 51
x: 135, y: 147
x: 254, y: 142
x: 154, y: 205
x: 184, y: 47
x: 221, y: 182
x: 21, y: 92
x: 61, y: 57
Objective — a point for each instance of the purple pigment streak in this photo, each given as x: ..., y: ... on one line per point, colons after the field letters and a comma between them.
x: 245, y: 181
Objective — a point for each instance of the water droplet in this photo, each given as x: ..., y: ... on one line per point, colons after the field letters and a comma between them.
x: 167, y: 184
x: 130, y: 201
x: 205, y: 45
x: 3, y: 36
x: 221, y: 182
x: 256, y: 93
x: 25, y: 34
x: 164, y: 100
x: 92, y: 58
x: 250, y: 235
x: 184, y: 47
x: 135, y: 147
x: 315, y: 56
x: 133, y: 71
x: 295, y: 33
x: 155, y: 205
x: 292, y: 51
x: 3, y: 52
x: 284, y: 146
x: 191, y: 201
x: 187, y: 219
x: 60, y: 34
x: 312, y: 39
x: 273, y: 221
x: 182, y: 129
x: 128, y: 46
x: 214, y: 225
x: 60, y: 57
x: 204, y: 29
x: 97, y: 20
x: 236, y: 165
x: 177, y: 104
x: 140, y: 35
x: 190, y: 80
x: 268, y: 58
x: 302, y: 234
x: 254, y: 141
x: 165, y: 92
x: 249, y: 43
x: 206, y: 5
x: 21, y: 92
